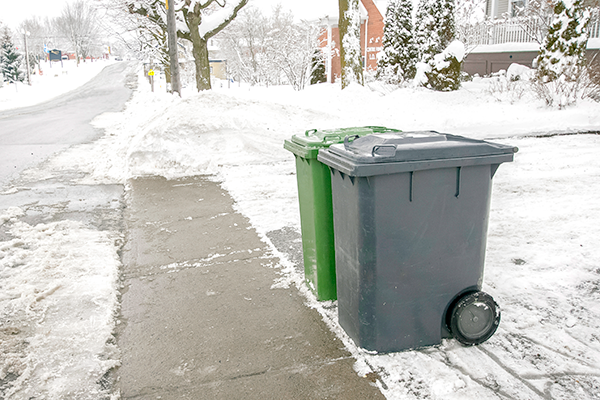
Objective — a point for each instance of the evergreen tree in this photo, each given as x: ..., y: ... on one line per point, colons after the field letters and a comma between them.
x: 318, y: 73
x: 10, y: 60
x: 440, y: 57
x: 350, y: 52
x: 563, y: 50
x: 435, y: 27
x: 399, y: 58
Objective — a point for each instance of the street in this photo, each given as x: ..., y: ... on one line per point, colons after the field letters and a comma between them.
x: 29, y: 135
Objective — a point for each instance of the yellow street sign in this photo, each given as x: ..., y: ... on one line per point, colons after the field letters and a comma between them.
x: 151, y: 72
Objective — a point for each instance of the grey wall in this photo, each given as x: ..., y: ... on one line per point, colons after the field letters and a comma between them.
x: 487, y: 63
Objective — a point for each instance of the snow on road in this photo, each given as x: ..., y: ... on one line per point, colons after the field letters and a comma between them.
x: 542, y: 265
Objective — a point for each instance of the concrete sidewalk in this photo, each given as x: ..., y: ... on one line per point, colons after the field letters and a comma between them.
x: 199, y: 317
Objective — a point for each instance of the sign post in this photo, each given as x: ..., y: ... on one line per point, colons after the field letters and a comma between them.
x: 151, y: 75
x: 55, y: 55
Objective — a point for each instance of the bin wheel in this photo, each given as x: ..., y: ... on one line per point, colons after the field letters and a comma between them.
x: 474, y: 318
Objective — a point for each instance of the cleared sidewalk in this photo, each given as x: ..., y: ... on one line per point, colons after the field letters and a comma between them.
x: 199, y: 319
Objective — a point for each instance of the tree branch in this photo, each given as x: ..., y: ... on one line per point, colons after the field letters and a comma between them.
x: 226, y: 22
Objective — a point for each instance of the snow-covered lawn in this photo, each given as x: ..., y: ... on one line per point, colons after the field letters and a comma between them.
x: 542, y: 266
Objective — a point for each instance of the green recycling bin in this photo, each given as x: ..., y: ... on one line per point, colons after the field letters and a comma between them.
x: 316, y: 209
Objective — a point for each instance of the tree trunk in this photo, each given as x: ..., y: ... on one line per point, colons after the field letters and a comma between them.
x: 200, y: 53
x: 350, y: 51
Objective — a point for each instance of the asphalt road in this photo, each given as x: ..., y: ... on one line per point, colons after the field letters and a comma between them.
x: 29, y: 135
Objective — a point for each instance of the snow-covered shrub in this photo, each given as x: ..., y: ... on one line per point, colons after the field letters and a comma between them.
x: 504, y: 89
x: 558, y: 92
x: 397, y: 61
x: 563, y: 92
x: 465, y: 77
x: 516, y: 72
x: 592, y: 89
x: 443, y: 71
x: 440, y: 56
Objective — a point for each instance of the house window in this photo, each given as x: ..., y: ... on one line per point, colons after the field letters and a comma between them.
x: 516, y: 6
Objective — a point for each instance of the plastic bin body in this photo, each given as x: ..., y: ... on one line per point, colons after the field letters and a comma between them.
x: 316, y: 220
x: 408, y: 242
x: 315, y: 202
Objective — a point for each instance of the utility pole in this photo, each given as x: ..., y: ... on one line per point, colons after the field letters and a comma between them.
x: 172, y: 41
x: 25, y: 34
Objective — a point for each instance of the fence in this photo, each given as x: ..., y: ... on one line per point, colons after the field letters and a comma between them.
x: 514, y: 30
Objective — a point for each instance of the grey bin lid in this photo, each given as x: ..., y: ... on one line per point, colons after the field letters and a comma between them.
x: 388, y: 153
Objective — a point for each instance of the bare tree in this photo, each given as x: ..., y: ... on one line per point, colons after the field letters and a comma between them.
x: 244, y: 45
x: 136, y: 27
x: 535, y: 18
x: 36, y: 32
x: 470, y: 26
x: 291, y: 47
x: 270, y: 50
x: 199, y: 20
x: 78, y: 23
x: 204, y: 19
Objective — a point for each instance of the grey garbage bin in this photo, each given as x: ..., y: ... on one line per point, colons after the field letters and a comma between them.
x: 410, y: 221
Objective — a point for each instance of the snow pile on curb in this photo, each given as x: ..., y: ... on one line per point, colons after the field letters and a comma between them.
x: 62, y: 276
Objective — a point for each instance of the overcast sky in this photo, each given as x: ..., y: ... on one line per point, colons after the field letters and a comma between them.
x: 12, y: 12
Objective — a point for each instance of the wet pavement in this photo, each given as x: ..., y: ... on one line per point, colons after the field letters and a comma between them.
x: 200, y: 317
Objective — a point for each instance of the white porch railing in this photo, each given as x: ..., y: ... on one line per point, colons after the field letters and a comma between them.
x: 514, y: 30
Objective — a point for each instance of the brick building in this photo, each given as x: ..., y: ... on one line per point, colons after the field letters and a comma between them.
x: 371, y: 36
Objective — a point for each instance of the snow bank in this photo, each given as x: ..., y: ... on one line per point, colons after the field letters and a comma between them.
x: 57, y: 301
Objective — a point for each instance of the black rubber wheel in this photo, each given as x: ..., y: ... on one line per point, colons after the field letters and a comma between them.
x: 474, y: 318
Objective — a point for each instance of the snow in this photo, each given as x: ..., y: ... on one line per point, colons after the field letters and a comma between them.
x: 210, y: 22
x: 59, y: 287
x: 455, y: 49
x: 542, y: 264
x: 517, y: 71
x: 49, y: 81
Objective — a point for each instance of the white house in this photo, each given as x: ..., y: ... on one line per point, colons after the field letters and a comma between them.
x: 502, y: 8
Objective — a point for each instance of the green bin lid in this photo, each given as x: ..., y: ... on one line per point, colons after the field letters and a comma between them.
x: 308, y: 144
x: 410, y: 151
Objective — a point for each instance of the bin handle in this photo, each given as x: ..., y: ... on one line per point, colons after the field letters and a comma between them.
x: 310, y: 132
x: 376, y: 149
x: 331, y: 138
x: 347, y: 140
x: 382, y: 129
